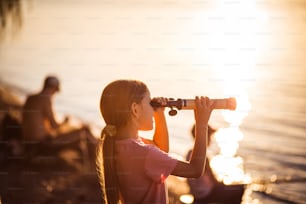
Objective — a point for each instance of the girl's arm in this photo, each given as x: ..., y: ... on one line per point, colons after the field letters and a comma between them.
x: 160, y: 137
x: 195, y: 167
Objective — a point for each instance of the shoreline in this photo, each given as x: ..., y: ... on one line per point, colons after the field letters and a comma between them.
x: 44, y: 179
x: 54, y: 180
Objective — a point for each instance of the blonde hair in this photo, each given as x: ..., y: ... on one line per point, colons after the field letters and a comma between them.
x: 115, y: 107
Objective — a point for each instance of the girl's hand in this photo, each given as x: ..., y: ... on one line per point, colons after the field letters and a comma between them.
x: 162, y: 101
x: 203, y: 109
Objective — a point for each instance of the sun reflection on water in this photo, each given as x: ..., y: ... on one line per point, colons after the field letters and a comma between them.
x: 227, y: 165
x: 235, y: 51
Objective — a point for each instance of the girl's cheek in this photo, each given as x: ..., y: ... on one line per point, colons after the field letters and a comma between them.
x: 151, y: 109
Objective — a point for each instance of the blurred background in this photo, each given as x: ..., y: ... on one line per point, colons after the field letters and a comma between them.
x: 253, y: 50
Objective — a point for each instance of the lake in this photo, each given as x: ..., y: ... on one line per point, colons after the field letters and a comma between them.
x: 252, y: 50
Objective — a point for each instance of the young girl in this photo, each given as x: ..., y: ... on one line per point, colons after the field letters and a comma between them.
x: 131, y: 169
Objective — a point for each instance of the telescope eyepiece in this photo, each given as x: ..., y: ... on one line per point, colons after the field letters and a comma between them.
x: 155, y: 104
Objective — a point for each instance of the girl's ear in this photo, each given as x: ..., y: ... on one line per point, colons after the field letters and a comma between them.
x: 135, y: 109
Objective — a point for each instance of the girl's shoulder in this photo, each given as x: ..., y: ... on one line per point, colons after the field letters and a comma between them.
x: 135, y: 145
x: 130, y: 141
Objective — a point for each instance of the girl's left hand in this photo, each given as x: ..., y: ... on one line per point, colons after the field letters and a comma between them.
x: 161, y: 100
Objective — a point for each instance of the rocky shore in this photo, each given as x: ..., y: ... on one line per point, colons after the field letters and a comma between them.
x: 62, y: 178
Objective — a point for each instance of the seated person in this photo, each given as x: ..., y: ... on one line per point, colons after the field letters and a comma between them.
x: 41, y: 130
x: 207, y: 189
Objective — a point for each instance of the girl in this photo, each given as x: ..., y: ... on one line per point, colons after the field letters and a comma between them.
x: 131, y: 169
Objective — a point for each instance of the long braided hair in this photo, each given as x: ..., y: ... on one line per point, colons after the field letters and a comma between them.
x: 115, y: 106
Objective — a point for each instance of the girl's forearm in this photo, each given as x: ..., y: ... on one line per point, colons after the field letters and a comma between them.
x: 161, y: 137
x: 199, y: 151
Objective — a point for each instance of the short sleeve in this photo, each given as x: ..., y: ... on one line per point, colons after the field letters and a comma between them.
x: 158, y: 164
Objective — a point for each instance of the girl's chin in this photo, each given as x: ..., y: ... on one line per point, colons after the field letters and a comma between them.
x: 147, y: 128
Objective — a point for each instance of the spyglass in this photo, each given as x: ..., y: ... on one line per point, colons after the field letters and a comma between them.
x: 189, y: 104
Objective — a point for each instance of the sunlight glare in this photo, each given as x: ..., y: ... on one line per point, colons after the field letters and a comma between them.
x: 227, y: 166
x: 235, y: 47
x: 228, y: 140
x: 235, y: 118
x: 186, y: 198
x: 233, y: 173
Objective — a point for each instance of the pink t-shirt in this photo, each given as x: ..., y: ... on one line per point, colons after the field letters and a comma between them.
x: 142, y: 170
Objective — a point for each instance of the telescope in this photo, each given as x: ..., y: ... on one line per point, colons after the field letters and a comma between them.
x: 189, y: 104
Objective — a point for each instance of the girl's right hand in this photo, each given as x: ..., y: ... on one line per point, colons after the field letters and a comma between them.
x: 203, y: 109
x: 194, y: 168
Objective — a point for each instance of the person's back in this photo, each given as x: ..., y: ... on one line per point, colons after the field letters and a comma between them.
x: 37, y: 112
x: 43, y: 135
